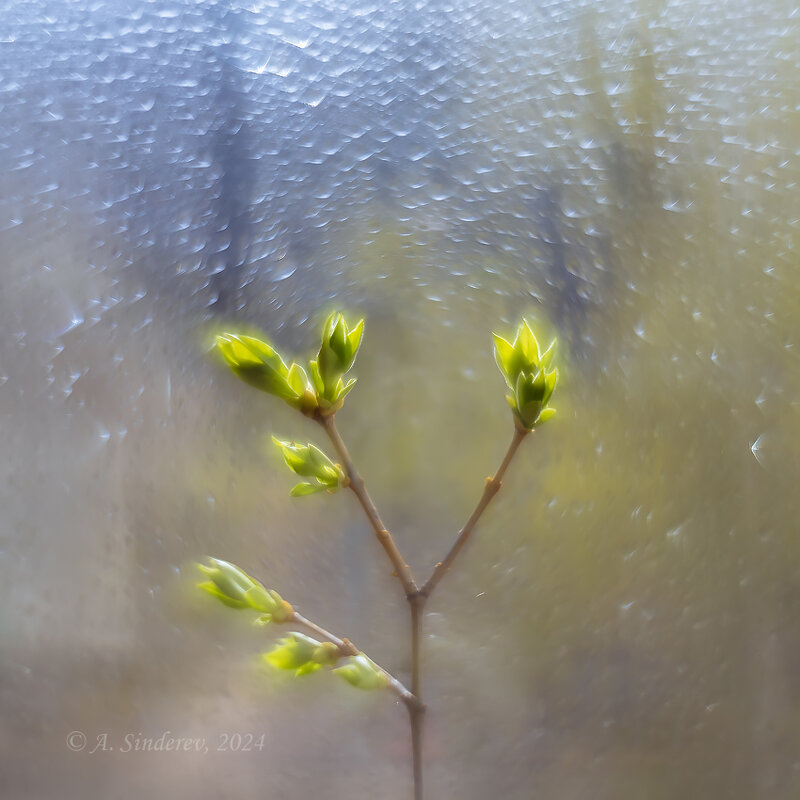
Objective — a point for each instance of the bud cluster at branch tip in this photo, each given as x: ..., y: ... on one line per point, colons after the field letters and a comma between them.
x: 337, y: 353
x: 257, y: 363
x: 526, y: 370
x: 236, y: 589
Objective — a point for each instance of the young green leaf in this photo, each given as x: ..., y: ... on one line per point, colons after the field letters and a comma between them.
x: 548, y: 354
x: 338, y: 340
x: 550, y: 384
x: 298, y: 380
x: 545, y: 415
x: 526, y: 345
x: 319, y: 384
x: 304, y: 489
x: 294, y: 652
x: 256, y: 363
x: 504, y: 354
x: 344, y: 390
x: 354, y: 341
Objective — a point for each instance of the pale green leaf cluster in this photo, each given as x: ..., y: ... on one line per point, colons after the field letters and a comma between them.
x: 337, y: 353
x: 257, y: 363
x: 526, y: 370
x: 308, y: 461
x: 235, y: 588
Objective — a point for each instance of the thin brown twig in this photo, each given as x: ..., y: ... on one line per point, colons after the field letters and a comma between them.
x: 401, y: 568
x: 491, y: 488
x: 346, y: 647
x: 416, y: 600
x: 416, y: 713
x: 416, y: 596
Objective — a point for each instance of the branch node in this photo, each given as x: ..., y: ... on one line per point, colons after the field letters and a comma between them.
x: 416, y: 706
x: 493, y: 486
x: 348, y: 648
x: 417, y: 597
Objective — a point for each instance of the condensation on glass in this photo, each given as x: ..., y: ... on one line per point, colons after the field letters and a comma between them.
x: 624, y: 173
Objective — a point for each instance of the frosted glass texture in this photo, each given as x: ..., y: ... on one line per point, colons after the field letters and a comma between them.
x: 625, y: 623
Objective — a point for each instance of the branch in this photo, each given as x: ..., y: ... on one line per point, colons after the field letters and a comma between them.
x: 347, y: 648
x: 417, y: 713
x: 491, y: 488
x: 401, y: 569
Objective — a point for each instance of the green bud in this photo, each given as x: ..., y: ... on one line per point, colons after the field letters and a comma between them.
x: 526, y: 370
x: 361, y: 672
x: 309, y: 461
x: 525, y: 343
x: 528, y: 398
x: 337, y: 353
x: 299, y: 653
x: 327, y: 654
x: 316, y: 377
x: 338, y: 341
x: 550, y: 379
x: 258, y: 364
x: 236, y: 589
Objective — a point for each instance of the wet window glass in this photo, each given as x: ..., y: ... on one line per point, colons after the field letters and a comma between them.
x: 624, y: 621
